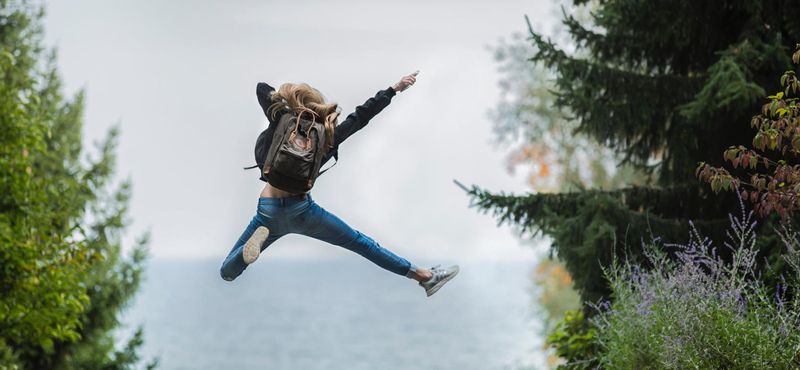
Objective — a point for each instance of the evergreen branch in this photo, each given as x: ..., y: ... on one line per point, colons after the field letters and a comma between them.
x: 585, y: 226
x: 605, y: 99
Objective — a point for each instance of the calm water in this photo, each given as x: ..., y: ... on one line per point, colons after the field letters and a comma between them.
x: 337, y: 314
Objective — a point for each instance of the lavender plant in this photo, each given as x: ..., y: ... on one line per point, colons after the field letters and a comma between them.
x: 695, y: 311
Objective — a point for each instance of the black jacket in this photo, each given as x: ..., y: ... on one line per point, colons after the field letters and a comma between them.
x: 354, y: 121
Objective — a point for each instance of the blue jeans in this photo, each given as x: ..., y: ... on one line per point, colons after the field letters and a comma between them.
x: 301, y: 215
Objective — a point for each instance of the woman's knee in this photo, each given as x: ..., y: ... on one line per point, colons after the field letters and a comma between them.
x: 226, y: 275
x: 222, y: 275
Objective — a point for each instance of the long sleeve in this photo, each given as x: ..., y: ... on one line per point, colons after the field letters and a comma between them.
x: 262, y: 93
x: 361, y: 116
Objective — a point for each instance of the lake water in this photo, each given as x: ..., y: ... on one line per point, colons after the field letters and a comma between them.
x: 334, y: 314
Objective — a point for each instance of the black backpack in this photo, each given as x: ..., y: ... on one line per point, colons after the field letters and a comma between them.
x: 292, y: 160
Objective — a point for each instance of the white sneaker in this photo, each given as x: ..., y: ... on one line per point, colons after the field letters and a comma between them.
x: 440, y: 277
x: 252, y: 248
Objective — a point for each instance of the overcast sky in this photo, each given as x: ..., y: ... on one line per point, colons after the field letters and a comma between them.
x: 180, y: 78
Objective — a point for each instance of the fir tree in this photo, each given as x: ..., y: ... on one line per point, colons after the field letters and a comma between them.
x: 665, y: 85
x: 63, y: 282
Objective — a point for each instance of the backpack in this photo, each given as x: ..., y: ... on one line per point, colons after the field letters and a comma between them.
x: 295, y: 154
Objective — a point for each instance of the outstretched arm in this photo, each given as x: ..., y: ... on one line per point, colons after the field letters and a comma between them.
x: 363, y: 113
x: 360, y: 117
x: 262, y: 93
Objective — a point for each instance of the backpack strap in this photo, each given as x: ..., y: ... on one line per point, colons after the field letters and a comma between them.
x: 252, y: 167
x: 335, y: 158
x: 297, y: 126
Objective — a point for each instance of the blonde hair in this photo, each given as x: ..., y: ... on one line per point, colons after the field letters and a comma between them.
x: 295, y: 98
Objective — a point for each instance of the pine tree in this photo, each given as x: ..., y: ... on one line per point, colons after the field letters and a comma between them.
x: 665, y: 85
x: 556, y: 157
x: 63, y: 282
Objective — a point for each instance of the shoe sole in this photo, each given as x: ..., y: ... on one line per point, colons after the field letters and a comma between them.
x: 252, y: 249
x: 441, y: 283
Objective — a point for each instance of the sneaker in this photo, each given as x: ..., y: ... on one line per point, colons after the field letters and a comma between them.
x: 253, y: 246
x: 440, y: 277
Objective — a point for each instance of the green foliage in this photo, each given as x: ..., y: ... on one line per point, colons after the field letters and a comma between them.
x: 699, y: 312
x: 662, y: 84
x: 654, y: 95
x: 591, y: 227
x: 8, y: 359
x: 558, y: 158
x: 42, y: 265
x: 574, y: 340
x: 62, y: 280
x: 772, y: 181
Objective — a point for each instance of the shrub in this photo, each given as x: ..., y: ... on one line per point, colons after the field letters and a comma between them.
x: 776, y: 146
x: 698, y: 312
x: 574, y: 340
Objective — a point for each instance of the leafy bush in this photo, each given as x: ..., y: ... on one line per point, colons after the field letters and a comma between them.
x: 574, y: 340
x: 776, y: 187
x: 698, y: 312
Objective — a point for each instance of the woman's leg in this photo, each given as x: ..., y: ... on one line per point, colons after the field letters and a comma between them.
x: 234, y: 264
x: 327, y: 227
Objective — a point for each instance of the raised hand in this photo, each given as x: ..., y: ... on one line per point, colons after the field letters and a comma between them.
x: 406, y: 82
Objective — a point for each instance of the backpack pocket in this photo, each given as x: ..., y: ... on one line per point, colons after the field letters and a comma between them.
x: 296, y: 163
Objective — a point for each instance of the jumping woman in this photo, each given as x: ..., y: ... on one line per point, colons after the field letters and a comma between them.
x: 281, y: 212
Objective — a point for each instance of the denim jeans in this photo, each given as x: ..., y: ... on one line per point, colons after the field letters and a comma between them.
x: 301, y: 215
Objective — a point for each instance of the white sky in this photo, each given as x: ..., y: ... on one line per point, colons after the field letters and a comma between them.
x: 180, y: 77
